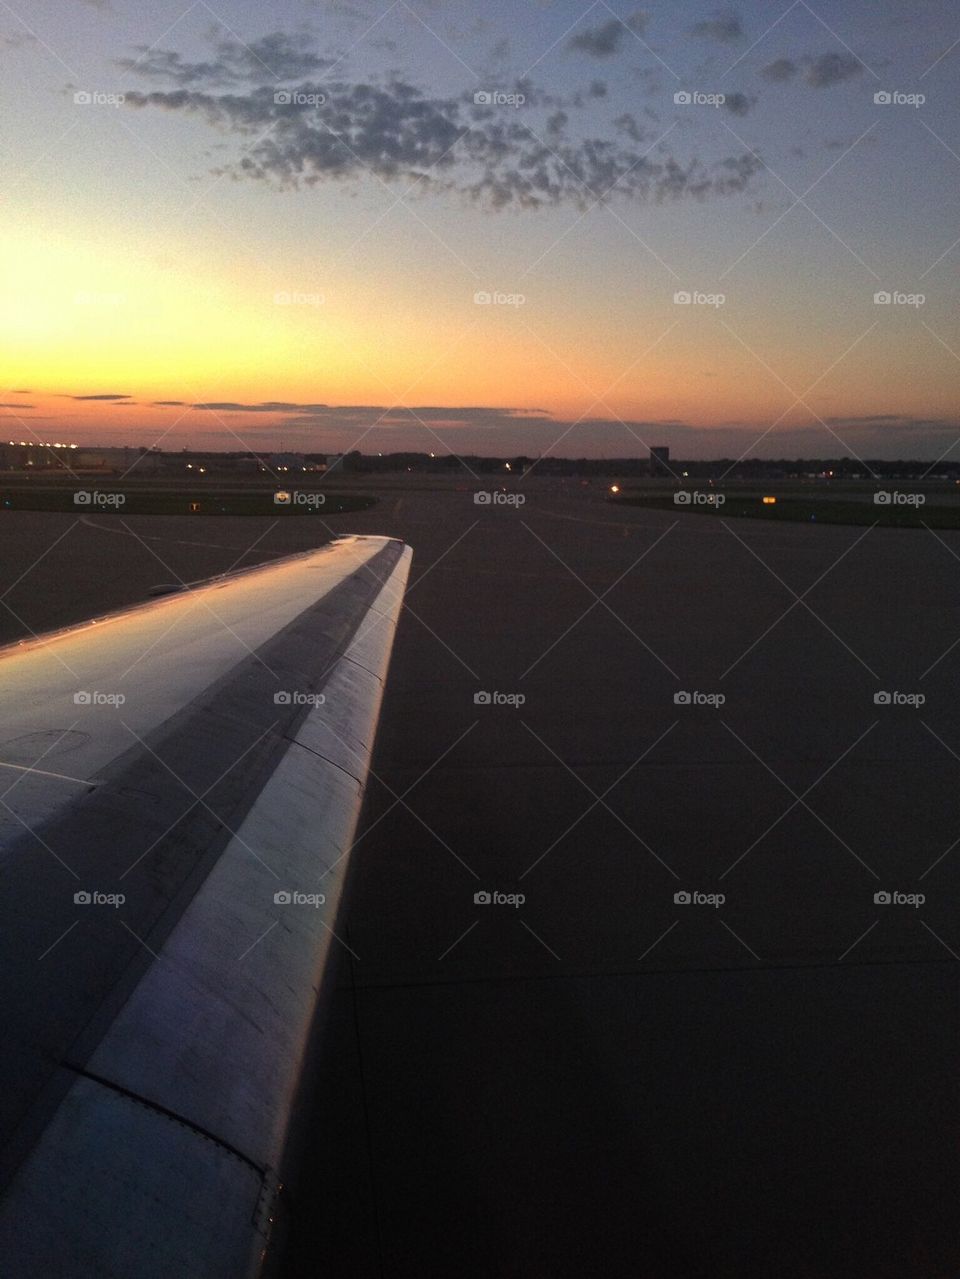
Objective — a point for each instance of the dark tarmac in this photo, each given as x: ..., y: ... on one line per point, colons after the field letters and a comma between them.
x: 601, y: 1079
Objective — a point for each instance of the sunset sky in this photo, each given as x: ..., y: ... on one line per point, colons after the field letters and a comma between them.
x: 235, y: 224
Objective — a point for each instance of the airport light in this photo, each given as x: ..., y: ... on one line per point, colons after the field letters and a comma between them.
x: 614, y: 488
x: 769, y: 501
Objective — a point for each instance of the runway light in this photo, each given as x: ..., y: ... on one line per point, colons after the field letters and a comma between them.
x: 614, y: 488
x: 769, y: 501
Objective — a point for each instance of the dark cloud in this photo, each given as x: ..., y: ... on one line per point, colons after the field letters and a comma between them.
x: 165, y: 404
x: 831, y: 68
x: 17, y: 406
x: 738, y: 103
x: 605, y: 40
x: 724, y: 26
x: 109, y: 396
x: 779, y: 71
x: 278, y: 57
x: 481, y: 152
x: 818, y: 72
x: 17, y: 39
x: 627, y: 123
x: 364, y: 414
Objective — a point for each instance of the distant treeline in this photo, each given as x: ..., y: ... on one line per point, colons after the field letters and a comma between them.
x: 674, y: 468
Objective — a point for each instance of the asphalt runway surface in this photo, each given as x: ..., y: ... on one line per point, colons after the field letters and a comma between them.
x: 602, y: 1078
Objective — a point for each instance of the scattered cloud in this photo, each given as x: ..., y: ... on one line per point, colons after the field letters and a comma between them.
x: 724, y: 26
x: 779, y: 71
x: 485, y: 153
x: 830, y: 69
x: 818, y: 72
x: 108, y: 396
x: 605, y: 40
x: 17, y: 39
x: 277, y: 57
x: 738, y: 103
x: 364, y: 414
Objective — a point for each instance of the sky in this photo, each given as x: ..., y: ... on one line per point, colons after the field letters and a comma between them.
x: 535, y: 227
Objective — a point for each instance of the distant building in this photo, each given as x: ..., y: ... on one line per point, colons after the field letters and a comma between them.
x: 287, y: 462
x: 660, y: 460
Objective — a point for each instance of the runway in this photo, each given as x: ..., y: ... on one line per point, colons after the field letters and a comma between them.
x: 603, y: 1077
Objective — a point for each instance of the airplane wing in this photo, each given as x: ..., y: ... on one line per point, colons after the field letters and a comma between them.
x: 179, y: 787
